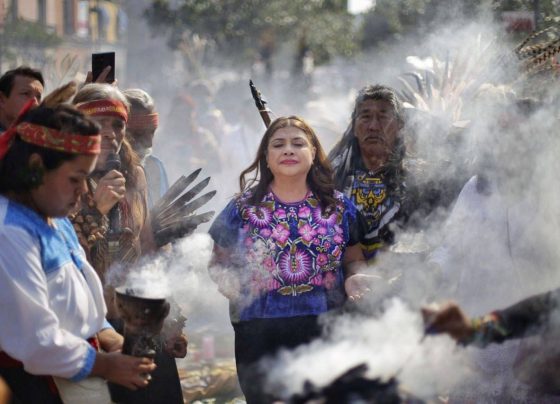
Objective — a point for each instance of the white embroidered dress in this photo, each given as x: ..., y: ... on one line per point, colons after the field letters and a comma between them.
x: 51, y: 300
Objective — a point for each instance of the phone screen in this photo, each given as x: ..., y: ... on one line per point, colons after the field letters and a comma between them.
x: 100, y: 61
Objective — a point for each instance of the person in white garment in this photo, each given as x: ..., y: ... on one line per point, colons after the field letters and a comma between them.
x: 491, y: 255
x: 55, y: 344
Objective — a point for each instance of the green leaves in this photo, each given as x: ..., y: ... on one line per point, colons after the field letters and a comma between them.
x: 27, y: 33
x: 241, y: 27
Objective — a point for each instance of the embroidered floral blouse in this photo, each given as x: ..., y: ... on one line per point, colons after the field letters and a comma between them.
x: 288, y: 256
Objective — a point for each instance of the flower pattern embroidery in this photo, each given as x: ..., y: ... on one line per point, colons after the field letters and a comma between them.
x: 259, y: 216
x: 295, y: 267
x: 299, y: 248
x: 322, y: 260
x: 281, y: 233
x: 307, y: 232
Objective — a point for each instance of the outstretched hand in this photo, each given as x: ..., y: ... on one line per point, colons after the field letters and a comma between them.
x: 448, y: 319
x: 357, y: 285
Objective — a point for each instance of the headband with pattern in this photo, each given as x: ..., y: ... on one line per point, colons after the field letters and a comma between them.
x: 104, y: 108
x: 143, y: 121
x: 50, y: 139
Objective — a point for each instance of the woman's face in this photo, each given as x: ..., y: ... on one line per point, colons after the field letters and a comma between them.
x: 113, y: 130
x: 60, y: 191
x: 290, y: 153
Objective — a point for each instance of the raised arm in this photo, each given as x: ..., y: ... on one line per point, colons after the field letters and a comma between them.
x: 527, y: 317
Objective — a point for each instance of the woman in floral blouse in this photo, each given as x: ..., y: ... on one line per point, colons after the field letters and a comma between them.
x: 286, y: 248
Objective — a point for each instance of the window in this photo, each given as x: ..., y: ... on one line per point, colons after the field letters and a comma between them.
x: 14, y: 10
x: 68, y: 11
x: 42, y: 12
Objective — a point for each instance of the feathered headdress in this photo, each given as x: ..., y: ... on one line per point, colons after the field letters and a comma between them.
x: 441, y: 88
x: 537, y: 53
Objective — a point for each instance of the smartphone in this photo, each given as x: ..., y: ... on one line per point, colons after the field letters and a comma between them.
x: 100, y: 61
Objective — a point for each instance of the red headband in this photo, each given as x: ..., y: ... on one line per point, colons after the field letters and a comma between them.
x: 50, y: 139
x: 104, y: 107
x: 143, y: 121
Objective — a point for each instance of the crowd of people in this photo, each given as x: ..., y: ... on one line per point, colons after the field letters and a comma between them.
x: 302, y: 237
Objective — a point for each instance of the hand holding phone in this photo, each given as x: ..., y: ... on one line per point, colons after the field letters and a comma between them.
x: 99, y: 62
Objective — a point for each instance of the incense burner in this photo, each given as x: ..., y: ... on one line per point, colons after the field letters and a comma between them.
x: 143, y: 319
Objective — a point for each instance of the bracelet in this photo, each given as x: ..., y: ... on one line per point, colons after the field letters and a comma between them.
x: 90, y: 224
x: 487, y: 329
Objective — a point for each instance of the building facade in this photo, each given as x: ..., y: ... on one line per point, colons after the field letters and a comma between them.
x: 58, y: 36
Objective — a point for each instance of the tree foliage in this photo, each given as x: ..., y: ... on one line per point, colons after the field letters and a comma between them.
x: 418, y: 16
x: 239, y: 27
x: 548, y: 10
x: 24, y: 33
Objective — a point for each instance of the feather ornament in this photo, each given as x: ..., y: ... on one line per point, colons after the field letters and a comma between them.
x: 60, y: 95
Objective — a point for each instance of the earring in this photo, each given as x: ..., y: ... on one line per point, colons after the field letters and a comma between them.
x: 35, y: 177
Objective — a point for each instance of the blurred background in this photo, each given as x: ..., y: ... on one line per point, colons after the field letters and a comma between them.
x: 307, y: 57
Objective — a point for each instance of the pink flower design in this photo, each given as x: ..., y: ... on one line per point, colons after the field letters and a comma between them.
x: 324, y: 221
x: 307, y: 232
x: 280, y: 213
x: 291, y: 213
x: 322, y: 230
x: 338, y: 229
x: 295, y: 267
x: 322, y: 260
x: 266, y: 232
x: 304, y: 212
x: 259, y: 216
x: 280, y: 233
x: 269, y: 264
x: 257, y: 283
x: 273, y: 284
x: 336, y: 252
x: 248, y: 242
x: 317, y: 280
x: 329, y: 280
x: 337, y: 239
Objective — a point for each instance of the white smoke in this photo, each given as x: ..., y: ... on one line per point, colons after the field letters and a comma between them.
x: 392, y: 345
x: 487, y: 265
